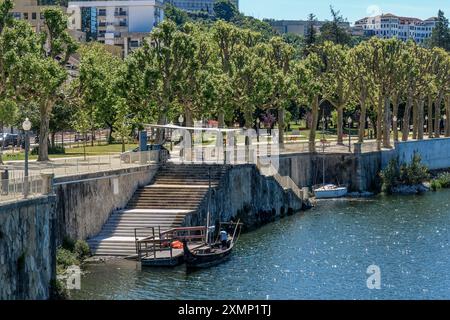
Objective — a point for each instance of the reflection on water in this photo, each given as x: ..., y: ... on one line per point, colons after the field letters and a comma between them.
x: 321, y: 254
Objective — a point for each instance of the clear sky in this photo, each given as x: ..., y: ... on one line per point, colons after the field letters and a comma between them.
x: 350, y: 9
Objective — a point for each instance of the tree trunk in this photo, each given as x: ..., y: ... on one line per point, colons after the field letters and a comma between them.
x: 315, y: 118
x: 437, y: 117
x: 93, y: 136
x: 221, y: 120
x: 110, y: 135
x: 189, y: 119
x: 340, y: 124
x: 281, y: 126
x: 362, y: 119
x: 406, y: 119
x: 430, y: 117
x: 387, y: 123
x: 43, y: 132
x: 415, y: 119
x: 395, y: 115
x: 420, y: 115
x: 160, y: 132
x: 379, y: 121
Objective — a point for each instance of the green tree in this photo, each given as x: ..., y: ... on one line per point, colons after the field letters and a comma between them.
x: 225, y: 10
x: 441, y: 76
x: 180, y: 17
x: 5, y: 16
x: 57, y: 45
x: 311, y: 33
x: 279, y: 61
x: 97, y: 85
x: 308, y: 76
x: 441, y: 33
x: 338, y: 82
x: 123, y: 123
x: 360, y: 62
x: 333, y: 30
x: 81, y: 122
x: 226, y: 38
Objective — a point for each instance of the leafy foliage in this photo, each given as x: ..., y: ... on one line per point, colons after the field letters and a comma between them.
x: 410, y: 174
x: 441, y: 181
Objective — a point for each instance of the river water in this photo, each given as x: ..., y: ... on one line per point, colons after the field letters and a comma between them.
x: 323, y: 253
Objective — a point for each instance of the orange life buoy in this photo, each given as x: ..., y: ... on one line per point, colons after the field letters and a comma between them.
x: 177, y: 245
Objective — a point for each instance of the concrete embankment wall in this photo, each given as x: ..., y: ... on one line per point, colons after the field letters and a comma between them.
x: 360, y: 171
x: 245, y: 194
x: 85, y: 202
x: 435, y: 153
x: 27, y: 248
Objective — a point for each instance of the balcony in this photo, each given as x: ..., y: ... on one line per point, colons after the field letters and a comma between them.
x: 121, y: 13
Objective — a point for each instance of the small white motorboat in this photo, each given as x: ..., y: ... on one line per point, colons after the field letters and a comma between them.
x: 330, y: 191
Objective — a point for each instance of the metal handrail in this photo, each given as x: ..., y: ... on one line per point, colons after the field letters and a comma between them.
x: 164, y: 240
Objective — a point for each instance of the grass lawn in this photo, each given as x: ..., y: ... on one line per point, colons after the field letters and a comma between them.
x: 74, y: 152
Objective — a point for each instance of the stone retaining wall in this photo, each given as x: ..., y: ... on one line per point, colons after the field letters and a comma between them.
x: 245, y: 194
x: 85, y: 202
x: 27, y: 248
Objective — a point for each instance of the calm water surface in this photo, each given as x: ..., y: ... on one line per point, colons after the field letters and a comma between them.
x: 320, y: 254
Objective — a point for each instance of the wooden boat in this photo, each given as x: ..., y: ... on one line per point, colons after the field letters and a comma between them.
x: 211, y: 255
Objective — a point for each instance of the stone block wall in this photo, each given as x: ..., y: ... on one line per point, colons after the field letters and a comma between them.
x: 27, y: 248
x: 85, y: 202
x: 245, y: 194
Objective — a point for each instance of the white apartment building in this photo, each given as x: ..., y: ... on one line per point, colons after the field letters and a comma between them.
x: 389, y: 26
x: 121, y: 23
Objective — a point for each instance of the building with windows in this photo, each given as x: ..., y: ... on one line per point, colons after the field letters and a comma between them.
x: 120, y: 23
x: 299, y: 27
x: 389, y: 26
x: 31, y: 11
x: 198, y: 5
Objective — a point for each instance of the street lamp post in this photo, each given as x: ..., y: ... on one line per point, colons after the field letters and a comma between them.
x: 26, y: 127
x: 349, y: 121
x: 426, y: 124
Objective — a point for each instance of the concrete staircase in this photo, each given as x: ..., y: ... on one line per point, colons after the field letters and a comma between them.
x: 176, y: 191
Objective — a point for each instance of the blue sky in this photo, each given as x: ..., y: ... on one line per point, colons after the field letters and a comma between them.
x: 350, y: 9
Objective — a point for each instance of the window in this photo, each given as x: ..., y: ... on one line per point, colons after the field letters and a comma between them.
x: 33, y: 15
x: 17, y: 15
x: 25, y: 15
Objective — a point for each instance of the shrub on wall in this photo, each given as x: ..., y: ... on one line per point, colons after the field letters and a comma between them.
x: 441, y: 181
x: 411, y: 174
